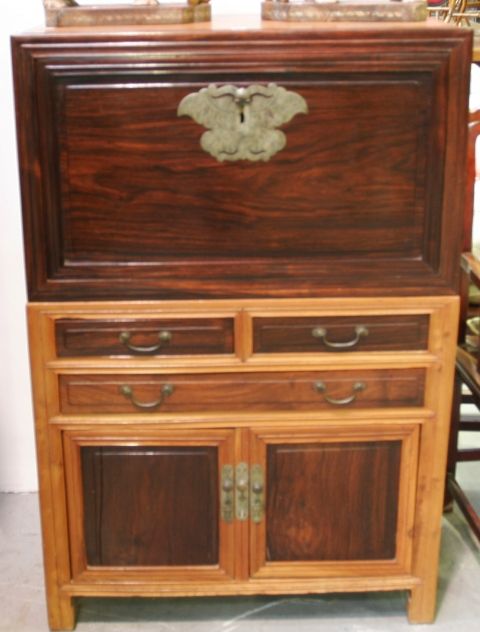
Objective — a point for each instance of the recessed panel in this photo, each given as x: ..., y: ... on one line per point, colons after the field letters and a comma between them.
x: 150, y: 506
x: 136, y: 185
x: 332, y: 501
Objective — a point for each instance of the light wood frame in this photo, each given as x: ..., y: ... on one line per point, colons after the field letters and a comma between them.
x: 54, y: 462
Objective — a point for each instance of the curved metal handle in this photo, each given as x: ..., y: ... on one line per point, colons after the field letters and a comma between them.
x: 321, y: 333
x: 166, y: 391
x: 163, y: 336
x: 321, y: 387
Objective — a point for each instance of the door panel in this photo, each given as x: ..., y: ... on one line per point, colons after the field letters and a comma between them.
x: 335, y: 498
x: 150, y: 505
x: 342, y: 507
x: 149, y: 502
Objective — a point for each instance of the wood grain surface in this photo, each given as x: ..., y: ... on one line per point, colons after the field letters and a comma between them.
x: 120, y: 201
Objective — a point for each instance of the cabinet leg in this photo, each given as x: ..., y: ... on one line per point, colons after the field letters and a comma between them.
x: 61, y: 613
x: 422, y: 604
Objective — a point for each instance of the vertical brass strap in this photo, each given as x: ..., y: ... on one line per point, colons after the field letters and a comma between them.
x: 241, y: 491
x: 257, y: 494
x: 226, y: 494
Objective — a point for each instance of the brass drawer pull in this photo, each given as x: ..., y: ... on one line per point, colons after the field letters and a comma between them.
x: 321, y: 387
x: 164, y: 337
x: 166, y: 391
x: 321, y: 333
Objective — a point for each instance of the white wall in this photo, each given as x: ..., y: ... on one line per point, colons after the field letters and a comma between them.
x: 17, y: 450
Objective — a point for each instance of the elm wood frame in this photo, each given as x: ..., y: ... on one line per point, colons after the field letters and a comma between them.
x: 51, y: 427
x: 235, y: 535
x: 401, y: 562
x: 300, y: 56
x: 224, y: 440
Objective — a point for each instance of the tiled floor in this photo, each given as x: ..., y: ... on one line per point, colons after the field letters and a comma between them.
x: 22, y: 602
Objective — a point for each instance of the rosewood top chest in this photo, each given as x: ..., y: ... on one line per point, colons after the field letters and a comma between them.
x: 121, y: 201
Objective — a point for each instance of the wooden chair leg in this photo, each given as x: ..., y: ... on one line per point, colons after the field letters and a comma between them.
x: 453, y: 441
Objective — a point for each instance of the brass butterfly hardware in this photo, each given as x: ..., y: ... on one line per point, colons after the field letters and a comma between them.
x: 242, y: 122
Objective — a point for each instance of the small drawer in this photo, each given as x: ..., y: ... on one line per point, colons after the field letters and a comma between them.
x: 166, y: 337
x: 313, y: 390
x: 340, y: 334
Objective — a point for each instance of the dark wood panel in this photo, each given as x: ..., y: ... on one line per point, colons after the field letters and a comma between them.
x: 283, y: 335
x: 342, y: 507
x: 250, y: 391
x: 120, y: 200
x: 150, y: 506
x: 76, y: 337
x: 137, y: 186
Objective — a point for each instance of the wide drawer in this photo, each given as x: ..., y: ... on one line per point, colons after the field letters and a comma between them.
x: 189, y: 336
x: 313, y: 390
x: 337, y: 334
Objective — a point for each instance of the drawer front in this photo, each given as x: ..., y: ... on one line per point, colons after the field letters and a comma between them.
x: 339, y: 334
x: 193, y: 336
x: 315, y: 390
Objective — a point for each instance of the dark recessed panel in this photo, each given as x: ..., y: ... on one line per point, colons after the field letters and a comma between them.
x: 332, y: 501
x: 300, y: 390
x: 340, y: 333
x: 171, y: 337
x: 150, y: 506
x: 136, y: 185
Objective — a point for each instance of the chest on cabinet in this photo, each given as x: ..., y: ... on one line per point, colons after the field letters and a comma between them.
x: 241, y: 251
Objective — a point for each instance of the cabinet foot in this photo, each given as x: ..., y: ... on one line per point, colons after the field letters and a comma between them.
x: 422, y: 605
x: 61, y: 613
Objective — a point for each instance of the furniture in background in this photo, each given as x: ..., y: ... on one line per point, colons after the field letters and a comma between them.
x: 466, y: 386
x: 466, y: 375
x: 242, y: 252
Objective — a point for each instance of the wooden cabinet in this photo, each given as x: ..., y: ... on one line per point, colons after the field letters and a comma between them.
x: 242, y: 361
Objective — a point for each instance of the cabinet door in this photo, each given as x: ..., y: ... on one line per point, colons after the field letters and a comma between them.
x: 337, y: 501
x: 150, y: 504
